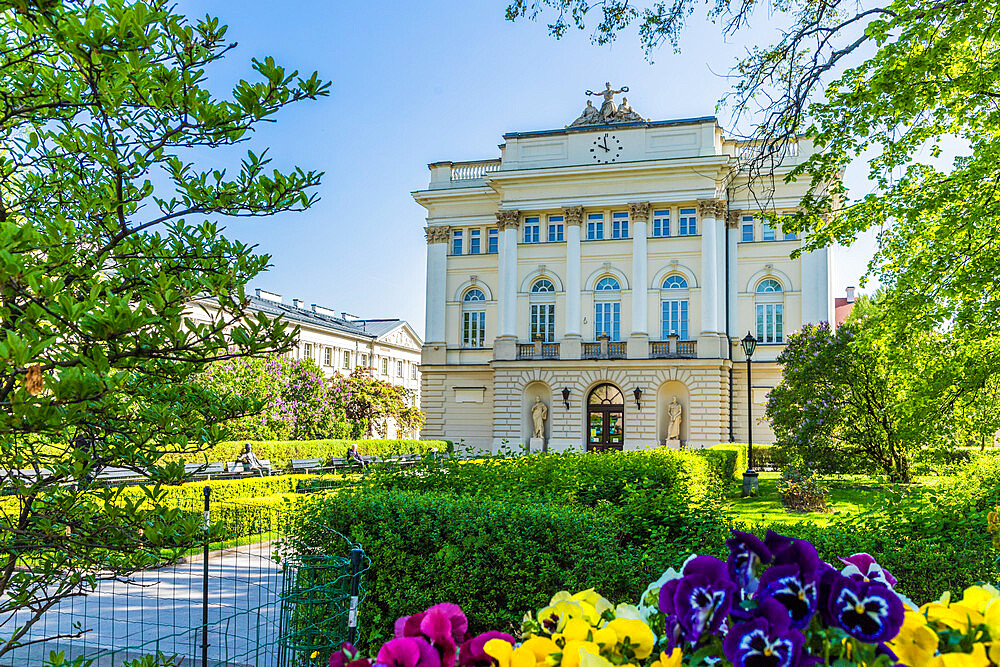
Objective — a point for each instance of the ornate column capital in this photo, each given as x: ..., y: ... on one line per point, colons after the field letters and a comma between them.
x: 508, y: 218
x: 573, y: 215
x: 639, y: 211
x: 438, y: 234
x: 713, y: 208
x: 733, y: 218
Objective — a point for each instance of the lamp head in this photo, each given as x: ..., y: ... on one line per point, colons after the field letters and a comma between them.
x: 638, y: 395
x: 749, y: 343
x: 565, y: 395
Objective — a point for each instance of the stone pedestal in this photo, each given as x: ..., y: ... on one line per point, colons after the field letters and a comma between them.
x: 750, y: 483
x: 638, y: 346
x: 505, y: 347
x: 571, y: 347
x: 536, y: 445
x: 673, y: 443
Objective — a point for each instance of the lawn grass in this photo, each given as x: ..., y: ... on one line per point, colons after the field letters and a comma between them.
x: 847, y: 494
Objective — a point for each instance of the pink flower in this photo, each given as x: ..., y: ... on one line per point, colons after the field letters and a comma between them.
x: 407, y: 652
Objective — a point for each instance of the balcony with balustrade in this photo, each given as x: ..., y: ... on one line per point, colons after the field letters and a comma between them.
x: 538, y: 350
x: 672, y: 348
x: 461, y: 174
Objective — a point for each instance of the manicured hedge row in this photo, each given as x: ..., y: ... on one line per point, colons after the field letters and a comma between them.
x: 854, y: 461
x: 495, y: 558
x: 239, y: 490
x: 730, y: 458
x: 281, y: 452
x: 589, y: 480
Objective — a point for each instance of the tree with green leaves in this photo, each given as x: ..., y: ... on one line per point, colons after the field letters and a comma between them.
x: 890, y: 82
x: 374, y: 404
x: 107, y: 231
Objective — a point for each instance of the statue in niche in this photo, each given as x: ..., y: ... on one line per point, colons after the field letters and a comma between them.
x: 674, y: 412
x: 539, y: 413
x: 590, y: 116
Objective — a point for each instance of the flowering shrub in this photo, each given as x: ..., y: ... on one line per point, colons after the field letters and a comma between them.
x: 772, y: 603
x: 800, y: 489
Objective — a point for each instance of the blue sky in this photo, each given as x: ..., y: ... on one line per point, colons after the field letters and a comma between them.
x: 419, y: 82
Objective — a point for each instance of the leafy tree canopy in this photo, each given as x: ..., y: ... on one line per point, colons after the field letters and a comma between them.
x: 106, y: 232
x: 888, y: 80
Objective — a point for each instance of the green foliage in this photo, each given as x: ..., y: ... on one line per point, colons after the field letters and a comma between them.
x: 107, y: 231
x: 732, y: 457
x: 496, y: 558
x: 801, y: 490
x: 281, y: 452
x: 373, y: 403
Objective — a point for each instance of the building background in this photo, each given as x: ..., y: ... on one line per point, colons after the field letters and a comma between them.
x: 340, y: 344
x: 634, y: 229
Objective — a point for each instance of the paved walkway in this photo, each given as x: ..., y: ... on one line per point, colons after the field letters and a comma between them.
x: 162, y: 610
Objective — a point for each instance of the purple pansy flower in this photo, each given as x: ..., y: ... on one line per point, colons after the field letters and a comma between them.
x: 471, y: 653
x: 797, y: 591
x: 789, y: 551
x: 407, y: 652
x: 862, y: 566
x: 866, y: 610
x: 747, y: 553
x: 766, y: 640
x: 348, y: 656
x: 703, y: 597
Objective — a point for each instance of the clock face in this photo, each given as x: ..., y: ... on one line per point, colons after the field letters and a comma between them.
x: 606, y: 148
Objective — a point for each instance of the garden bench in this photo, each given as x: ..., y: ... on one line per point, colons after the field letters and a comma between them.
x: 239, y: 469
x: 117, y: 474
x: 305, y: 465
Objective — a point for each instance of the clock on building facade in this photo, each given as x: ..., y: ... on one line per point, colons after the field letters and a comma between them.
x: 607, y: 148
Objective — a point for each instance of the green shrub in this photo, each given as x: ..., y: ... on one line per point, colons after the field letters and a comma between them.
x: 495, y: 558
x: 281, y: 452
x: 233, y: 490
x: 800, y: 489
x: 591, y: 480
x: 731, y: 459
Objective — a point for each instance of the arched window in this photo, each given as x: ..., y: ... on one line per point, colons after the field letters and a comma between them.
x: 607, y: 308
x: 543, y: 285
x: 543, y: 311
x: 769, y: 307
x: 607, y: 284
x: 474, y: 318
x: 674, y: 307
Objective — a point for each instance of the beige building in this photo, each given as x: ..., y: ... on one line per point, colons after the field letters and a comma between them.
x: 341, y: 343
x: 605, y: 269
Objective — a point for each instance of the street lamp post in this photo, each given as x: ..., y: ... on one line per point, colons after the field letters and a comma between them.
x: 750, y: 480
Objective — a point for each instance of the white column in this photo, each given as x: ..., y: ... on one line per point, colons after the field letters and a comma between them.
x: 505, y: 346
x: 573, y: 219
x: 435, y: 322
x: 817, y: 298
x: 638, y: 341
x: 732, y: 233
x: 708, y: 219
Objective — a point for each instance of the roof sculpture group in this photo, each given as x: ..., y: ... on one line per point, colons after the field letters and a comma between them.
x: 609, y: 111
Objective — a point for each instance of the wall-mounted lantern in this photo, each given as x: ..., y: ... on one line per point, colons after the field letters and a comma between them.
x: 565, y: 393
x: 638, y: 395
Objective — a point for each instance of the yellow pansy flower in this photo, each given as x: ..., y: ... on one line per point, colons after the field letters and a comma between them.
x: 573, y: 652
x: 591, y: 660
x: 575, y: 628
x: 628, y: 611
x: 916, y: 642
x: 636, y: 632
x: 508, y: 656
x: 606, y: 637
x: 541, y: 648
x: 595, y: 601
x: 975, y: 659
x: 955, y: 615
x: 672, y: 660
x: 991, y: 617
x: 979, y: 597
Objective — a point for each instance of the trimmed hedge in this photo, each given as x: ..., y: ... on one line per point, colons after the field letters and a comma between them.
x: 497, y: 559
x: 590, y: 480
x: 854, y: 461
x: 281, y: 452
x: 730, y: 458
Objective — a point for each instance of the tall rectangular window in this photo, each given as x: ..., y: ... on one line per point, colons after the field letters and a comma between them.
x: 473, y: 328
x: 688, y: 222
x: 595, y: 226
x: 766, y: 231
x: 385, y: 366
x: 555, y: 228
x: 608, y: 319
x: 747, y: 228
x: 619, y: 225
x: 399, y: 369
x: 456, y: 242
x: 790, y: 236
x: 364, y: 360
x: 347, y: 359
x: 493, y: 241
x: 413, y: 371
x: 532, y: 230
x: 769, y: 323
x: 543, y: 322
x: 474, y: 242
x: 675, y: 318
x: 661, y: 223
x: 307, y: 351
x: 328, y: 356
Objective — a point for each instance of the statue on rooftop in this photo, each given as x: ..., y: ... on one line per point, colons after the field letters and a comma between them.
x: 608, y: 108
x: 609, y: 111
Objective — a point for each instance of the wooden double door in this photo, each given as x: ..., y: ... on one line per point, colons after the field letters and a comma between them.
x: 605, y: 419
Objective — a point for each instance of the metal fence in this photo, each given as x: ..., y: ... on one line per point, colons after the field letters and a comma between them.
x: 257, y: 598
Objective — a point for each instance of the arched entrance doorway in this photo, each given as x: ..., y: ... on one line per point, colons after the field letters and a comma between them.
x: 605, y: 418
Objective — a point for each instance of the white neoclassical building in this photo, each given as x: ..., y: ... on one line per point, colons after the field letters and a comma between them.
x: 607, y: 268
x: 340, y: 343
